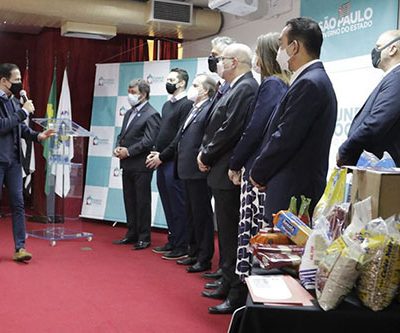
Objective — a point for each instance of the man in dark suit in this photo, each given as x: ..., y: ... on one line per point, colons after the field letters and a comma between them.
x: 138, y: 134
x: 376, y: 127
x: 294, y: 158
x: 225, y: 125
x: 12, y: 128
x: 185, y: 147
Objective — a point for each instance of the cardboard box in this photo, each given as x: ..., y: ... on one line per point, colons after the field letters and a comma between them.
x: 382, y: 186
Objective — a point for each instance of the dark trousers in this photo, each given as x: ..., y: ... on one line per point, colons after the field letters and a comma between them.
x: 227, y: 207
x: 11, y: 176
x: 172, y: 196
x: 137, y: 198
x: 200, y: 222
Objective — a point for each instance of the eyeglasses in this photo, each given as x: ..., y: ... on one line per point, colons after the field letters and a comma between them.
x: 221, y: 58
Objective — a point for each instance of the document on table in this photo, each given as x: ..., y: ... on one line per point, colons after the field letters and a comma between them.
x: 277, y: 290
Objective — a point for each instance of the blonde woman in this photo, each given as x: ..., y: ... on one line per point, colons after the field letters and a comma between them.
x: 274, y: 84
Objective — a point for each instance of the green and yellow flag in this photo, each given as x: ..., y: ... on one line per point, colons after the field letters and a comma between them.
x: 50, y: 113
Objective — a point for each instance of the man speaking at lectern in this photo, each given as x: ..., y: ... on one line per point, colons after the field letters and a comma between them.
x: 12, y: 128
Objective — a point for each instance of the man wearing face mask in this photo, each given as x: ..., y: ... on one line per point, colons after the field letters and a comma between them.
x: 138, y: 135
x: 12, y: 128
x: 198, y: 195
x: 295, y: 153
x: 171, y: 190
x: 225, y: 125
x: 376, y: 127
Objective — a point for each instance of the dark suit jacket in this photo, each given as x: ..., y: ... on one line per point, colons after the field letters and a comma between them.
x: 295, y: 154
x: 269, y: 95
x: 376, y: 127
x: 186, y: 144
x: 12, y: 125
x: 226, y: 123
x: 139, y: 137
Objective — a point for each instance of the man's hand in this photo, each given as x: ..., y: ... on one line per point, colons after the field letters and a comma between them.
x: 201, y: 165
x: 339, y: 162
x: 153, y: 160
x: 260, y: 187
x: 235, y: 176
x: 29, y: 107
x: 122, y: 153
x: 46, y: 134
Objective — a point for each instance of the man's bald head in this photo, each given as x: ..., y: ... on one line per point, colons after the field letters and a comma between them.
x: 241, y: 52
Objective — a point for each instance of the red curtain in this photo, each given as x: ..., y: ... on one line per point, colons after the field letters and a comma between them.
x: 48, y: 49
x: 165, y: 49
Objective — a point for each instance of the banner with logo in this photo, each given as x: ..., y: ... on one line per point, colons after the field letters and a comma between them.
x: 350, y: 30
x: 103, y: 198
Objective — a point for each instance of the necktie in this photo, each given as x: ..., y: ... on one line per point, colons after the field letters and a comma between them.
x: 131, y: 117
x: 192, y: 114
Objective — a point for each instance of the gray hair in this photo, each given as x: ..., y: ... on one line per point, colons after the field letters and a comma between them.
x: 221, y: 42
x: 208, y: 84
x: 143, y: 87
x: 242, y: 52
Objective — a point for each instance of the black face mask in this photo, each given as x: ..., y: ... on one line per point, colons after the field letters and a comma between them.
x: 376, y: 53
x: 376, y: 57
x: 15, y: 88
x: 171, y: 87
x: 212, y: 63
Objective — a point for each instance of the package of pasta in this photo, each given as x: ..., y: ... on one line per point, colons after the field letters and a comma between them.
x: 274, y: 248
x: 380, y: 273
x: 291, y: 226
x: 314, y: 251
x: 337, y: 272
x: 270, y: 236
x: 278, y: 260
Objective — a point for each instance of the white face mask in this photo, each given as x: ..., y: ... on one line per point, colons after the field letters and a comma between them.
x: 133, y: 99
x: 256, y: 68
x: 282, y: 58
x: 192, y: 94
x: 220, y: 69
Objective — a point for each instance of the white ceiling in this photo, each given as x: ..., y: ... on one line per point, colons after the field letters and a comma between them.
x: 129, y: 17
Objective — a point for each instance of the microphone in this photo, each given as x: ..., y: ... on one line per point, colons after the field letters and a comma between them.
x: 24, y: 96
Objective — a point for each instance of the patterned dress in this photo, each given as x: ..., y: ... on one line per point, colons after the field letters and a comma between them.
x: 251, y: 221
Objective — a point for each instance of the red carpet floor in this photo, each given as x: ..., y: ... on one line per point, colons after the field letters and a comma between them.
x: 81, y: 286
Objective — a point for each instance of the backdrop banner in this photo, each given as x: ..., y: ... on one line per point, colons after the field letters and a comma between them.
x: 350, y: 30
x: 103, y: 198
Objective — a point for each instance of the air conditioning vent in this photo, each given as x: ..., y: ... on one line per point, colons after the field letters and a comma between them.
x: 171, y: 12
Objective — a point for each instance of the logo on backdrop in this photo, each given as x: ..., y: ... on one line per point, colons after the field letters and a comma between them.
x: 117, y: 172
x: 344, y: 118
x: 154, y: 79
x: 99, y: 141
x: 122, y: 111
x: 90, y: 200
x: 347, y: 21
x: 105, y: 82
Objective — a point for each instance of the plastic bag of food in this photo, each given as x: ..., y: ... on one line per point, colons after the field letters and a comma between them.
x: 278, y: 260
x: 334, y: 193
x: 337, y: 272
x: 380, y: 274
x: 269, y: 236
x: 314, y: 251
x: 304, y: 214
x: 338, y: 220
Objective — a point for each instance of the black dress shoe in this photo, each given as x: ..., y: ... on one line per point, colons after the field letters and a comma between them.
x: 224, y: 308
x: 219, y: 293
x: 187, y: 261
x: 123, y: 241
x: 213, y: 275
x: 198, y: 267
x: 140, y: 245
x: 213, y: 285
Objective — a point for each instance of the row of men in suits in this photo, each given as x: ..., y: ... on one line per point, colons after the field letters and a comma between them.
x: 295, y: 145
